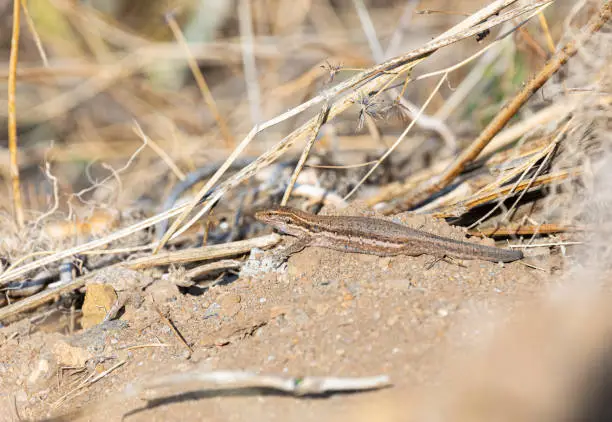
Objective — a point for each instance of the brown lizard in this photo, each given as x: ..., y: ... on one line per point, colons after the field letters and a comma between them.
x: 373, y: 236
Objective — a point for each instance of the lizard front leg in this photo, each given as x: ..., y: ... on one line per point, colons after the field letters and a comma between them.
x: 298, y: 245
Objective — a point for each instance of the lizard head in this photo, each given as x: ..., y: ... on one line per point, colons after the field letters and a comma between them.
x: 287, y: 220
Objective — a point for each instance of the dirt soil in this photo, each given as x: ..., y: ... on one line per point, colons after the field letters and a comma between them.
x: 324, y: 313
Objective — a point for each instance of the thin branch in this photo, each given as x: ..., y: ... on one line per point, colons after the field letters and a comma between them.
x: 55, y: 195
x: 230, y: 142
x: 544, y: 245
x: 551, y: 149
x: 549, y: 41
x: 12, y: 116
x: 222, y: 250
x: 160, y: 151
x: 91, y: 379
x: 247, y: 41
x: 297, y: 386
x: 404, y: 21
x: 172, y: 327
x: 114, y: 173
x: 488, y: 197
x: 200, y: 270
x: 300, y: 164
x: 32, y: 27
x: 520, y: 229
x: 369, y: 30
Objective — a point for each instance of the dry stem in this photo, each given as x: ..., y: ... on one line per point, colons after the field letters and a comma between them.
x: 12, y: 116
x: 201, y: 81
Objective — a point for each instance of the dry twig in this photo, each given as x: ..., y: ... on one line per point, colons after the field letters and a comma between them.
x: 297, y: 386
x: 300, y: 164
x: 12, y: 116
x: 520, y: 229
x: 201, y: 81
x: 91, y: 379
x: 172, y: 328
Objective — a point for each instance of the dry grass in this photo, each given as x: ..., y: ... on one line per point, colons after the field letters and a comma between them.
x: 114, y: 118
x: 495, y: 116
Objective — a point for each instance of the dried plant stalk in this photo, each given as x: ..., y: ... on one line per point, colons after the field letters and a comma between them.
x: 526, y: 229
x: 12, y: 116
x: 457, y: 210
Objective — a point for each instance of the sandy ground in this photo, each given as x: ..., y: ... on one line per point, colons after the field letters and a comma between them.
x: 325, y: 313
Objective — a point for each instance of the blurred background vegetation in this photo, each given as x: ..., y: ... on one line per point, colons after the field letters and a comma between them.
x: 88, y: 69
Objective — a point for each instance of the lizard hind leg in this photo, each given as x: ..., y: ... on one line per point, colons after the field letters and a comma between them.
x: 434, y: 261
x: 447, y: 258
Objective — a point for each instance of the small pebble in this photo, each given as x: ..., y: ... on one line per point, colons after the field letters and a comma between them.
x: 392, y: 320
x: 212, y: 310
x: 230, y: 304
x: 21, y: 396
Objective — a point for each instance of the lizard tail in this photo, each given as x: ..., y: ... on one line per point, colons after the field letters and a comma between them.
x: 488, y: 253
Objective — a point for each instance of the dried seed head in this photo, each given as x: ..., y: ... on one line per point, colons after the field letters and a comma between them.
x: 370, y: 106
x: 396, y: 110
x: 332, y: 69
